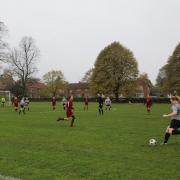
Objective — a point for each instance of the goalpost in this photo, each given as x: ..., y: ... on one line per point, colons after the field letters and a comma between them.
x: 6, y: 95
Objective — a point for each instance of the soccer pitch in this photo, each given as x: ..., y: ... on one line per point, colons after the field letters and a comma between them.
x: 114, y: 146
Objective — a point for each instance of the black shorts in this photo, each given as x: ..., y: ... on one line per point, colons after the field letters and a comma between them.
x: 175, y: 124
x: 22, y: 106
x: 108, y: 105
x: 100, y: 106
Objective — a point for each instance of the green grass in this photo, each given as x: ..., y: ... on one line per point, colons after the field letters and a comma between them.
x: 114, y: 146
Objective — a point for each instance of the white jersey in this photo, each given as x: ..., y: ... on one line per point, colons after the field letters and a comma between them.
x: 27, y: 102
x: 107, y: 101
x: 64, y: 101
x: 22, y: 103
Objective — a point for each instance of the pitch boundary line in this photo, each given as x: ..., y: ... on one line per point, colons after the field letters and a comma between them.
x: 2, y: 177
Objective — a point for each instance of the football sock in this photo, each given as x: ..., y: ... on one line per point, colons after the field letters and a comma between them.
x: 166, y: 137
x: 72, y: 121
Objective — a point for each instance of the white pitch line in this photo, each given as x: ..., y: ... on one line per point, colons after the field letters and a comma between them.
x: 8, y: 178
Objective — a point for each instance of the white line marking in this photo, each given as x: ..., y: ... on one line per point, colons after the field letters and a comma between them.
x: 8, y: 178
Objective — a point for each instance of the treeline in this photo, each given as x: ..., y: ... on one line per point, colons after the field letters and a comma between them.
x: 115, y: 71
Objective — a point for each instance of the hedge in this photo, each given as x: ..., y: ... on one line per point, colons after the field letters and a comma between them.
x: 121, y: 100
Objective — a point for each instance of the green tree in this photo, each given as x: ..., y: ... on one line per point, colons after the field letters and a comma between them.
x: 173, y: 71
x: 161, y: 81
x: 87, y: 76
x: 7, y: 80
x: 168, y: 78
x: 55, y: 82
x: 114, y: 67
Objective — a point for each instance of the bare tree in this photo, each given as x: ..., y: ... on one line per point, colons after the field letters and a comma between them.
x: 3, y: 45
x: 23, y: 60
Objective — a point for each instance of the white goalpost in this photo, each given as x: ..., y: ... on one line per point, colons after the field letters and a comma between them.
x: 6, y: 95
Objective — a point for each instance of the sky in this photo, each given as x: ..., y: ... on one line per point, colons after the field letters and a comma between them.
x: 71, y: 33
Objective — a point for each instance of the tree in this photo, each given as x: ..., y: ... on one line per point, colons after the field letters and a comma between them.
x: 55, y: 82
x: 23, y: 60
x: 130, y: 89
x: 162, y: 76
x: 3, y: 45
x: 173, y: 71
x: 168, y: 78
x: 7, y: 80
x: 87, y: 76
x: 114, y: 67
x: 161, y: 80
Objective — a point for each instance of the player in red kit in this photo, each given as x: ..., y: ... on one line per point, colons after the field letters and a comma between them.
x: 86, y: 102
x: 53, y: 102
x: 69, y: 111
x: 15, y: 103
x: 148, y: 103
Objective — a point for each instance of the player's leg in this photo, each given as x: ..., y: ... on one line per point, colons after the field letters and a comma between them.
x: 54, y: 106
x: 102, y: 111
x: 24, y: 112
x: 99, y: 109
x: 62, y: 119
x: 169, y: 130
x: 20, y: 109
x: 72, y: 121
x: 148, y: 108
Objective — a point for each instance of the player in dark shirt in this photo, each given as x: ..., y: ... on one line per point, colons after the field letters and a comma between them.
x: 100, y: 102
x: 69, y: 111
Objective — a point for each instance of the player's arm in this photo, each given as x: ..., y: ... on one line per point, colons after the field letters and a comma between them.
x: 174, y: 113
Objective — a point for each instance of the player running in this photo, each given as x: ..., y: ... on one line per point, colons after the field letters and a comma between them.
x: 15, y: 103
x: 3, y: 101
x: 148, y: 103
x: 100, y: 102
x: 22, y: 106
x: 86, y: 102
x: 64, y: 102
x: 172, y: 129
x: 54, y: 102
x: 69, y: 111
x: 108, y: 103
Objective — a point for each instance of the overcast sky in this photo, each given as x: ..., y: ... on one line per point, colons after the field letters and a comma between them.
x: 71, y: 33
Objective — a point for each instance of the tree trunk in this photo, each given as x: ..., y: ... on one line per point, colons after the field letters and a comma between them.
x: 24, y: 88
x: 116, y: 96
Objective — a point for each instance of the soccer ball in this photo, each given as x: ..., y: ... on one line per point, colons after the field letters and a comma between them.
x: 152, y: 142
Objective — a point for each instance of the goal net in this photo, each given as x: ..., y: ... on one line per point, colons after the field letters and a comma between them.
x: 7, y: 96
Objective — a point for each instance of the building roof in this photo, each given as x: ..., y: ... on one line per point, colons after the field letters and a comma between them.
x: 80, y: 85
x: 37, y: 85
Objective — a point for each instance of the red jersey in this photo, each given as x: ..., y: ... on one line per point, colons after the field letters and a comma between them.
x: 15, y: 101
x: 69, y: 108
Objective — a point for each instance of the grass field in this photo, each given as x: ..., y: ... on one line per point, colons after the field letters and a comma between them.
x: 114, y: 146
